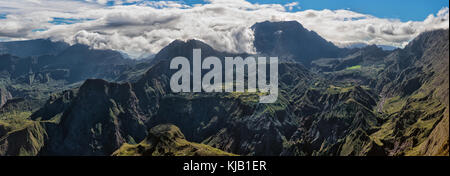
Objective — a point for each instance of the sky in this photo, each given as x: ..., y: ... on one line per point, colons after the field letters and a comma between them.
x: 398, y: 9
x: 142, y: 27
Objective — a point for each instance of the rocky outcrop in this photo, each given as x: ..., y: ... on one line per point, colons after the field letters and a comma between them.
x: 167, y: 140
x: 95, y: 120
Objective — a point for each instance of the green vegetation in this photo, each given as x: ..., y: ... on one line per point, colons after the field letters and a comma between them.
x: 246, y: 97
x: 412, y: 118
x: 393, y: 105
x: 167, y: 140
x: 354, y: 67
x: 337, y: 90
x: 23, y: 137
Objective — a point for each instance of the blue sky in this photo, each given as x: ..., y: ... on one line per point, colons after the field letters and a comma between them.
x: 415, y: 10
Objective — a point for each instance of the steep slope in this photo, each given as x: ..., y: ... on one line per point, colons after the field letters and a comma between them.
x: 167, y: 140
x: 25, y: 139
x: 4, y: 96
x: 415, y: 97
x: 423, y: 62
x: 18, y: 134
x: 94, y: 120
x: 437, y: 143
x: 328, y: 117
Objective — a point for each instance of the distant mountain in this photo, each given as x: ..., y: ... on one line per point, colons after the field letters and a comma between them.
x: 163, y: 58
x: 29, y: 48
x: 290, y: 40
x: 84, y: 62
x: 369, y: 55
x: 59, y: 68
x: 184, y: 48
x: 362, y: 45
x: 60, y: 61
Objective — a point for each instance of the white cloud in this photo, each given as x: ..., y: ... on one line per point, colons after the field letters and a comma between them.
x: 292, y: 5
x: 146, y: 27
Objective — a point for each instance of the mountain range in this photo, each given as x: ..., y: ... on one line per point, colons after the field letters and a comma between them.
x: 60, y: 99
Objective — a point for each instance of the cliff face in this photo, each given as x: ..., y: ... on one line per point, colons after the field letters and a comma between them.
x: 94, y: 120
x: 4, y: 96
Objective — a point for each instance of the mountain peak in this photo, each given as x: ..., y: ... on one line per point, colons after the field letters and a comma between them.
x: 184, y: 48
x: 94, y: 85
x: 166, y: 131
x: 295, y: 25
x: 191, y: 43
x: 290, y: 40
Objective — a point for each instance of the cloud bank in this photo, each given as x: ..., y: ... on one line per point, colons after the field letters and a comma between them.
x: 141, y: 28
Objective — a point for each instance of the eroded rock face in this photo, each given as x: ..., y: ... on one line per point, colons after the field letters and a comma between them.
x: 328, y: 118
x: 4, y: 96
x: 95, y: 120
